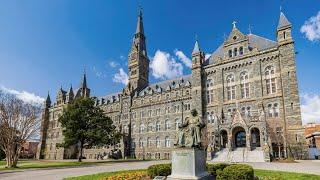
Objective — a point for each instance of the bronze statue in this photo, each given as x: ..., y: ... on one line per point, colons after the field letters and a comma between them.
x: 190, y: 131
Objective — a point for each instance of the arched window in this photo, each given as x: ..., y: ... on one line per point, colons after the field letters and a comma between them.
x: 167, y: 125
x: 231, y: 87
x: 241, y: 50
x: 157, y: 142
x: 244, y: 85
x: 235, y: 52
x: 270, y: 80
x: 209, y: 83
x: 158, y: 126
x: 167, y: 142
x: 133, y: 128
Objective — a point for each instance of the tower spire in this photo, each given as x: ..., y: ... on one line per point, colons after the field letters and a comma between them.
x: 140, y: 22
x: 84, y: 80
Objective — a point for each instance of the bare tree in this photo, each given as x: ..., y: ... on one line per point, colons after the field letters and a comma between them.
x: 19, y: 122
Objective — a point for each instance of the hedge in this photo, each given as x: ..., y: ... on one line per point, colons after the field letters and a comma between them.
x: 236, y: 172
x: 221, y: 171
x: 159, y: 170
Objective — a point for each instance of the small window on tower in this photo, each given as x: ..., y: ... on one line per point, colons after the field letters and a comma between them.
x: 230, y: 53
x: 284, y: 35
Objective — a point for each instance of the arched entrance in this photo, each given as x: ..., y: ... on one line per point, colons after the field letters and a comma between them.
x: 223, y: 138
x: 255, y: 138
x: 239, y: 136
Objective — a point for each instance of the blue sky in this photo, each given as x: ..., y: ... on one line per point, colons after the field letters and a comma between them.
x: 47, y: 44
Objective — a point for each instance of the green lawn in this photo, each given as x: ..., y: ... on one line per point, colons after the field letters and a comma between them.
x: 29, y: 164
x: 263, y: 174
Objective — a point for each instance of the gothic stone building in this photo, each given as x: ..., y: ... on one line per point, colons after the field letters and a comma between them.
x: 246, y: 93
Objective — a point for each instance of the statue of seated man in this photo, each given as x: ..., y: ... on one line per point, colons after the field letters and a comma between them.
x: 190, y: 131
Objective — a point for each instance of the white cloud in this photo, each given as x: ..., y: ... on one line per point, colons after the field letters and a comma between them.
x: 24, y: 96
x: 99, y: 74
x: 113, y: 64
x: 165, y: 66
x: 122, y: 57
x: 183, y: 58
x: 311, y: 28
x: 121, y: 77
x: 310, y: 108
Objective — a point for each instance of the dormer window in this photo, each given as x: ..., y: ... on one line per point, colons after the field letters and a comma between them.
x: 234, y: 37
x: 241, y: 50
x: 230, y: 53
x: 235, y: 52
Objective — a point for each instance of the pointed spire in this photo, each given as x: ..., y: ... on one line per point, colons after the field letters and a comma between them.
x: 48, y: 100
x: 71, y: 89
x: 84, y: 80
x: 140, y: 29
x: 283, y: 21
x: 196, y: 48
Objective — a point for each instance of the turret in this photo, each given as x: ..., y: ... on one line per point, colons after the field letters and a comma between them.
x: 70, y: 96
x: 198, y: 58
x: 47, y: 102
x: 284, y: 30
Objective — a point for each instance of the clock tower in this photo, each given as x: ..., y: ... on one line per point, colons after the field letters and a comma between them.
x: 138, y: 60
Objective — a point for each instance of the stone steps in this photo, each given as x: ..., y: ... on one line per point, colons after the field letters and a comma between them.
x: 239, y: 155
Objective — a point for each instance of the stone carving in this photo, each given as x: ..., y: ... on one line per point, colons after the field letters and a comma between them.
x: 190, y: 131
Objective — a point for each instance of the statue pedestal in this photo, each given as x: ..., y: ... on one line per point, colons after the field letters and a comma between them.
x: 189, y: 163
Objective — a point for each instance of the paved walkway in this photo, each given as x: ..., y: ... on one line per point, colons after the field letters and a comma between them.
x: 311, y: 167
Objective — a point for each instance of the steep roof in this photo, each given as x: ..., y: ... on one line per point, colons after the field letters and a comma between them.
x: 283, y: 21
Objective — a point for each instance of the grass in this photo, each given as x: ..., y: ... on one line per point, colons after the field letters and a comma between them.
x: 263, y: 174
x: 36, y: 164
x: 279, y: 175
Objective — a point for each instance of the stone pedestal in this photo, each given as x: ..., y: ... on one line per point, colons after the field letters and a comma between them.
x: 189, y: 163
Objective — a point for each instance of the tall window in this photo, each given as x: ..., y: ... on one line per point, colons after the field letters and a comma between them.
x: 209, y: 96
x: 270, y: 80
x: 231, y: 87
x: 157, y: 142
x: 210, y: 117
x: 209, y: 83
x: 276, y: 110
x: 140, y: 143
x: 167, y: 142
x: 244, y: 85
x: 241, y: 50
x: 235, y: 52
x: 230, y: 53
x: 148, y: 142
x: 246, y: 111
x: 141, y: 130
x: 158, y: 126
x: 149, y: 128
x: 167, y: 125
x: 270, y: 110
x: 177, y: 123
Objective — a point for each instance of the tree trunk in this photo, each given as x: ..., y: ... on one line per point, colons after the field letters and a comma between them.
x: 80, y: 154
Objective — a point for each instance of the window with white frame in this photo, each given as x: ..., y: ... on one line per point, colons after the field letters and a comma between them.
x: 158, y: 142
x: 158, y: 126
x: 210, y: 117
x: 209, y: 83
x: 270, y: 80
x: 209, y: 96
x: 244, y: 85
x: 167, y: 125
x: 231, y: 87
x: 167, y: 142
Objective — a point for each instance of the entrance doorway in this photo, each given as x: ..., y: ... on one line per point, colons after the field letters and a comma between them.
x: 255, y: 138
x: 239, y: 137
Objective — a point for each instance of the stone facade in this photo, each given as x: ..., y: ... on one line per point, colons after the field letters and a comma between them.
x: 246, y: 93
